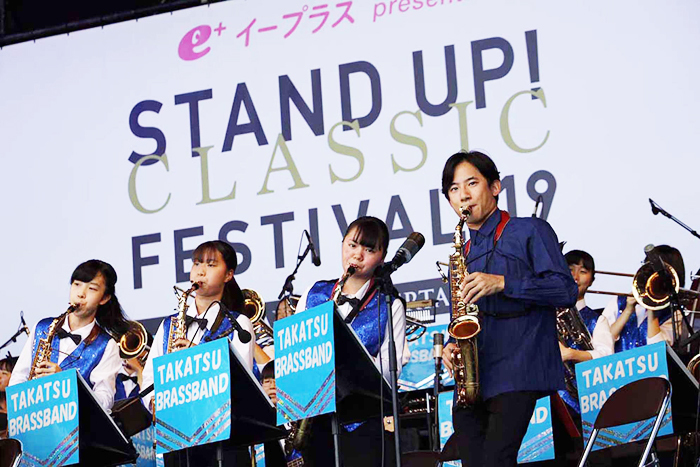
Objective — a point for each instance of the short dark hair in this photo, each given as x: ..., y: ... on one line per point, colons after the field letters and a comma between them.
x: 581, y: 257
x: 483, y: 163
x: 371, y: 232
x: 8, y: 363
x: 268, y: 371
x: 109, y: 316
x: 233, y: 295
x: 674, y: 258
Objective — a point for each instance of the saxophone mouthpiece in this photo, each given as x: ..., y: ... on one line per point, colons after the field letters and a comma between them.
x: 464, y: 212
x: 351, y: 270
x: 72, y: 307
x: 195, y: 286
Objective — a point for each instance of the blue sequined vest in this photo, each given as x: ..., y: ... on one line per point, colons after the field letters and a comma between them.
x: 365, y: 323
x: 84, y: 358
x: 632, y: 334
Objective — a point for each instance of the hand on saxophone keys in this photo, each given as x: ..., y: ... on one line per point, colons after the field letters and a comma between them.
x: 476, y: 285
x: 447, y: 354
x: 46, y: 368
x: 181, y: 344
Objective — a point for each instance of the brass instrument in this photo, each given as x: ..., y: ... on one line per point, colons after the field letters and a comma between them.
x: 178, y: 328
x: 464, y: 325
x: 341, y: 283
x: 134, y: 343
x: 254, y: 309
x: 43, y: 350
x: 572, y: 330
x: 649, y: 288
x: 694, y: 367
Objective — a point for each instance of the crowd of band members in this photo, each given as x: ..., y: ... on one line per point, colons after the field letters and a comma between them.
x: 518, y: 278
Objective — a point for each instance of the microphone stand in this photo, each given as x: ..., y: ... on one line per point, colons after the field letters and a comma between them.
x: 436, y: 396
x: 13, y: 339
x: 383, y: 284
x: 656, y: 209
x: 288, y: 288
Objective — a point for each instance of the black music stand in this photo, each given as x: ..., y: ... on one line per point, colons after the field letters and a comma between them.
x: 253, y: 417
x: 101, y: 441
x: 358, y: 381
x: 684, y: 398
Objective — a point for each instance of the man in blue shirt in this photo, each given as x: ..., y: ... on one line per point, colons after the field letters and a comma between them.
x: 517, y: 277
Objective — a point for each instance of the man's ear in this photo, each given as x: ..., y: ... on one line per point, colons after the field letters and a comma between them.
x: 495, y: 187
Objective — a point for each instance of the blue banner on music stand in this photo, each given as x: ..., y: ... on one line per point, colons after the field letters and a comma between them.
x: 305, y: 364
x: 193, y: 396
x: 597, y: 379
x: 419, y: 372
x: 43, y: 414
x: 143, y: 442
x: 537, y: 445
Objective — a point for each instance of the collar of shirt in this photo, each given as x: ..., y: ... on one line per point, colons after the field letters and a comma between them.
x: 346, y: 308
x: 581, y: 304
x: 82, y: 332
x: 487, y: 228
x: 210, y: 315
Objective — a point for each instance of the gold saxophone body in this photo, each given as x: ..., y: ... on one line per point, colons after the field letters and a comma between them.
x: 43, y: 350
x: 572, y: 330
x: 464, y: 325
x: 178, y: 329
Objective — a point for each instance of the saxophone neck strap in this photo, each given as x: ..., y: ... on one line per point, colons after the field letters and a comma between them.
x: 505, y: 217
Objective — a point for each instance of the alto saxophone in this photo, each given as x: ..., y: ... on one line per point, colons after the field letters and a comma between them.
x: 464, y: 325
x: 178, y: 328
x: 572, y: 330
x: 43, y: 350
x: 299, y: 433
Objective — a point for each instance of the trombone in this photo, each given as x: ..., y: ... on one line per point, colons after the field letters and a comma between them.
x: 650, y: 289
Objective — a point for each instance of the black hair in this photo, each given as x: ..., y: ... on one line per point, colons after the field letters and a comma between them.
x: 371, y: 233
x: 581, y: 257
x: 109, y: 316
x: 674, y: 258
x: 268, y: 371
x: 8, y: 363
x: 233, y: 296
x: 483, y: 163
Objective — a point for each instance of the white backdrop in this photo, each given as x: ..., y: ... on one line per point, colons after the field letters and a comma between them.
x: 620, y: 122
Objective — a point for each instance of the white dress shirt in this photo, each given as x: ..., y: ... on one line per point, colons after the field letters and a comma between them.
x: 602, y: 339
x: 399, y: 321
x: 611, y: 313
x: 102, y: 376
x: 194, y: 334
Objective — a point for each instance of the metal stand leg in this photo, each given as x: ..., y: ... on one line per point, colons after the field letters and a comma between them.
x: 335, y: 429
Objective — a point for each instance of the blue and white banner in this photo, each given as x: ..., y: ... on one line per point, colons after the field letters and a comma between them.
x: 598, y: 379
x: 43, y: 414
x: 537, y: 445
x: 305, y: 364
x: 259, y: 455
x: 193, y: 396
x: 143, y: 442
x: 419, y: 372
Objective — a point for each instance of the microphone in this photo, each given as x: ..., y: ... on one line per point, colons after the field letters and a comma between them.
x: 537, y: 205
x: 25, y: 328
x: 438, y: 344
x: 315, y: 257
x: 654, y: 210
x: 243, y: 335
x: 404, y: 254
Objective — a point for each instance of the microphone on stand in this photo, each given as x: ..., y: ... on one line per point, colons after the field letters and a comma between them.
x: 537, y: 205
x: 24, y: 328
x: 654, y: 208
x: 438, y: 344
x: 315, y: 256
x: 404, y: 254
x: 243, y: 335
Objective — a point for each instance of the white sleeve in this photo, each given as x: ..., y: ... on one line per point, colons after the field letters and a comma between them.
x: 20, y: 373
x: 147, y: 375
x: 611, y: 311
x: 603, y: 343
x: 104, y: 374
x: 399, y: 322
x: 301, y: 304
x: 665, y: 331
x: 245, y: 350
